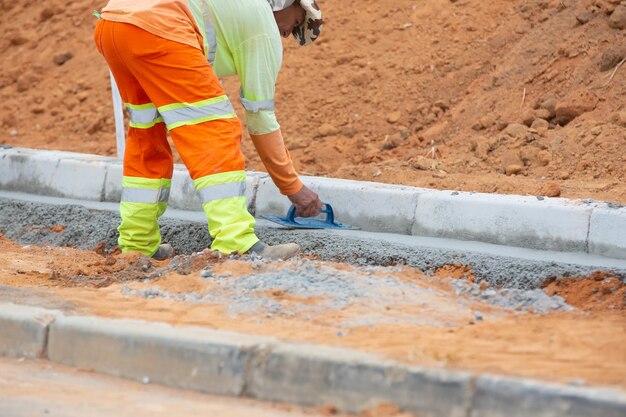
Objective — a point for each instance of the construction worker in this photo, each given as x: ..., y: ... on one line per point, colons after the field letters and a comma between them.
x: 166, y: 57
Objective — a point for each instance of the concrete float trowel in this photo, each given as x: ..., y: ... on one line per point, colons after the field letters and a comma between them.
x: 293, y: 222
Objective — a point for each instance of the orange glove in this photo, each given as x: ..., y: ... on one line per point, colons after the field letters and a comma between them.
x: 275, y: 157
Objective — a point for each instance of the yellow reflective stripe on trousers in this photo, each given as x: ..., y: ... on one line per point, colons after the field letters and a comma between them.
x: 144, y: 200
x: 145, y: 190
x: 142, y: 195
x: 143, y: 116
x: 182, y: 114
x: 224, y: 202
x: 221, y: 186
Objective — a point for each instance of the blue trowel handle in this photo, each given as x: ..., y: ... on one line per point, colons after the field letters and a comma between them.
x: 330, y: 216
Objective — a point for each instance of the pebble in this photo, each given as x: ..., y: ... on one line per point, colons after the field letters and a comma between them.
x: 612, y: 56
x: 145, y: 380
x: 13, y: 133
x: 618, y: 17
x: 513, y: 169
x: 516, y: 130
x: 478, y: 316
x: 61, y: 59
x: 206, y: 273
x: 584, y: 17
x: 327, y: 130
x: 550, y: 189
x: 394, y: 117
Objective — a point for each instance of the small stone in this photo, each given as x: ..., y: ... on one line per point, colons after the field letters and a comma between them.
x: 478, y: 316
x: 46, y: 14
x: 584, y: 17
x: 612, y: 56
x: 327, y: 130
x: 421, y: 163
x: 543, y: 114
x: 618, y: 17
x: 549, y: 189
x: 516, y: 130
x: 513, y: 169
x: 596, y: 131
x: 145, y: 380
x: 540, y: 125
x: 62, y: 58
x: 486, y: 121
x: 394, y: 117
x: 13, y: 133
x: 544, y: 157
x: 549, y: 104
x: 527, y: 117
x: 349, y: 130
x: 619, y: 118
x: 206, y: 273
x: 390, y: 142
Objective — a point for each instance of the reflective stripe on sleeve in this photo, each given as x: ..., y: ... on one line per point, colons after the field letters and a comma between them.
x: 181, y: 114
x: 145, y: 195
x: 143, y: 116
x: 222, y: 191
x: 256, y: 106
x: 211, y: 39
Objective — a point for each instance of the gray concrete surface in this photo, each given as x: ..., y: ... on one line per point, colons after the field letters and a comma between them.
x: 24, y: 330
x: 354, y: 381
x: 190, y: 358
x: 46, y: 389
x: 264, y: 368
x: 497, y: 396
x: 525, y: 221
x: 27, y: 218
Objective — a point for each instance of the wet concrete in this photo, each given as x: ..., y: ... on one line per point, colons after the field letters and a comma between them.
x: 30, y: 222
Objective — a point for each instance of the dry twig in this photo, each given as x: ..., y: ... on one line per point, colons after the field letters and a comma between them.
x: 606, y: 84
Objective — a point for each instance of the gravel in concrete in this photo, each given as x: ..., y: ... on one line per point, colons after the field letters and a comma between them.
x: 28, y: 222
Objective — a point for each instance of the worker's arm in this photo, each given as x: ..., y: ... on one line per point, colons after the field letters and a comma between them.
x: 277, y: 161
x: 257, y: 62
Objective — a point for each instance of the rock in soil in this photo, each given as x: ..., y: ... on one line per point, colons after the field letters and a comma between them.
x: 618, y: 18
x: 549, y: 189
x: 612, y: 56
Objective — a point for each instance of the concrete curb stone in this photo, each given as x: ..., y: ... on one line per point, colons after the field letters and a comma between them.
x: 497, y: 396
x: 188, y: 358
x: 607, y: 231
x: 353, y: 381
x: 524, y: 221
x: 555, y: 224
x: 369, y: 206
x: 235, y: 364
x: 24, y: 330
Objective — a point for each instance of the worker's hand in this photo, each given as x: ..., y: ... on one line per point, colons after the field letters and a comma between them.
x: 307, y: 202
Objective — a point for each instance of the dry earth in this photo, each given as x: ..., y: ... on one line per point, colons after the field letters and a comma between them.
x: 511, y: 96
x: 440, y: 328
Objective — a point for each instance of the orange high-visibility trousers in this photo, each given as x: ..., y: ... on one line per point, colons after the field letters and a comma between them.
x: 169, y: 86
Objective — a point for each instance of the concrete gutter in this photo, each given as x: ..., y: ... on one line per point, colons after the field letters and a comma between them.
x: 524, y: 221
x: 265, y: 368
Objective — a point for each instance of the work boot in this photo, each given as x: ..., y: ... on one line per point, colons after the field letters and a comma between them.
x: 164, y: 252
x: 282, y: 252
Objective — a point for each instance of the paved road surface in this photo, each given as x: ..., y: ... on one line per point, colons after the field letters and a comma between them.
x: 41, y: 388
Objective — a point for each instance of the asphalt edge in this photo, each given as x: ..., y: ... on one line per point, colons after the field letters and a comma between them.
x: 267, y: 369
x: 533, y: 222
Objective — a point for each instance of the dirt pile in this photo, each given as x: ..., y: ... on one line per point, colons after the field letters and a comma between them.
x: 511, y: 97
